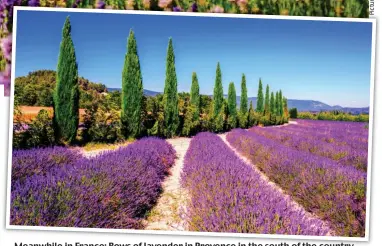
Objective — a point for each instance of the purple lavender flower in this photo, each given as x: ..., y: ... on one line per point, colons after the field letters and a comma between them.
x: 6, y: 47
x: 5, y: 79
x: 194, y: 7
x: 34, y: 3
x: 177, y: 9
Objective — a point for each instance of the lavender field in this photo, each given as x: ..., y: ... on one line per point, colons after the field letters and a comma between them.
x: 307, y: 178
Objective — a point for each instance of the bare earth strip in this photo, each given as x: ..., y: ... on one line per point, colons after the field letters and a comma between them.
x: 291, y: 122
x: 289, y: 199
x: 167, y: 214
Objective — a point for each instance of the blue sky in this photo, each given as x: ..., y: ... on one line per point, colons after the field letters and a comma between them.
x: 318, y: 60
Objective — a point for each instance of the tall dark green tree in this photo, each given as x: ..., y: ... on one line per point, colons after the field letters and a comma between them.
x: 170, y: 96
x: 281, y: 107
x: 272, y: 104
x: 218, y: 92
x: 195, y: 96
x: 277, y: 104
x: 232, y: 111
x: 132, y: 90
x: 260, y: 98
x: 267, y: 101
x: 243, y: 96
x: 66, y: 94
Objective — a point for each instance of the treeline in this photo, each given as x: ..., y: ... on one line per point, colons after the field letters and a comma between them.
x: 334, y: 115
x: 166, y: 115
x: 36, y: 89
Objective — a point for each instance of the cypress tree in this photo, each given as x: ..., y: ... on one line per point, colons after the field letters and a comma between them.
x: 272, y: 104
x: 277, y: 104
x: 281, y: 107
x: 66, y: 94
x: 194, y: 95
x: 267, y: 101
x: 170, y: 97
x: 218, y: 92
x: 232, y: 111
x: 244, y: 96
x: 132, y: 90
x: 260, y: 98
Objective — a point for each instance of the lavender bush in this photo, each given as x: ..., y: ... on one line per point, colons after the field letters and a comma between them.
x: 40, y: 161
x: 112, y: 190
x: 332, y: 192
x: 343, y: 154
x: 227, y: 195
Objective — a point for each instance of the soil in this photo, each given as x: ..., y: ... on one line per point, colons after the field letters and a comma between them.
x: 168, y: 214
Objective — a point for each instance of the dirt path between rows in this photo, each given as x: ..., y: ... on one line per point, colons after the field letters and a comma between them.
x: 288, y: 198
x: 167, y: 214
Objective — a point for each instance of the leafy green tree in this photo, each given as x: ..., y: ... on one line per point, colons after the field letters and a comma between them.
x: 267, y: 101
x: 218, y: 92
x: 195, y: 96
x: 272, y: 104
x: 285, y: 108
x: 66, y: 94
x: 132, y: 91
x: 232, y: 111
x: 170, y: 98
x: 260, y: 98
x: 244, y: 96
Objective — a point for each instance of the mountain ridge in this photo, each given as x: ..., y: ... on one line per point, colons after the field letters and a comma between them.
x: 300, y: 104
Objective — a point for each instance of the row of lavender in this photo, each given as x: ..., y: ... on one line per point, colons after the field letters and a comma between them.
x: 59, y: 187
x: 335, y: 193
x: 227, y: 195
x: 346, y: 143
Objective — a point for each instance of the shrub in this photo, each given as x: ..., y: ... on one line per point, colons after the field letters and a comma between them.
x: 39, y: 133
x: 191, y: 122
x: 306, y: 115
x: 102, y: 124
x: 293, y: 113
x: 231, y: 122
x: 242, y: 119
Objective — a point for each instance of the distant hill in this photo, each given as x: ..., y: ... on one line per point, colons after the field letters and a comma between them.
x: 145, y: 92
x: 301, y: 105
